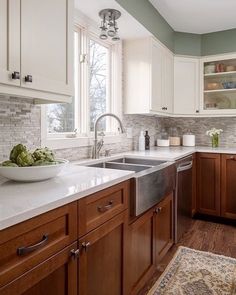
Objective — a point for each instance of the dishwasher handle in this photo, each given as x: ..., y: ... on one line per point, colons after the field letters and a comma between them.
x: 185, y: 166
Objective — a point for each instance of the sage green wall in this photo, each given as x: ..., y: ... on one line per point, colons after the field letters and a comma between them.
x: 219, y: 42
x: 178, y: 42
x: 187, y: 44
x: 151, y: 19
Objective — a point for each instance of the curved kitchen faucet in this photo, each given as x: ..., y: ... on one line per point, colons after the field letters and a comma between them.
x: 98, y: 144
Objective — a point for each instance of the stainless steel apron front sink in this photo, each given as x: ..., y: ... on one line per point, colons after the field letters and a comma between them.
x: 152, y: 181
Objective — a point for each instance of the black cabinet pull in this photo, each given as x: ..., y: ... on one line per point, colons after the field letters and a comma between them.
x: 15, y: 75
x: 25, y: 250
x: 29, y: 78
x: 197, y: 111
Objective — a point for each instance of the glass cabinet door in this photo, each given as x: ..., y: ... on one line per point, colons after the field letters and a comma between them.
x: 219, y: 85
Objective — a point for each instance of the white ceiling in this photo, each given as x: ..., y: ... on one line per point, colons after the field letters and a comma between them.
x: 198, y: 16
x: 129, y: 27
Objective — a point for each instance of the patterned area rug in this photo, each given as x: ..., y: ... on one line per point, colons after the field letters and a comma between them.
x: 193, y: 272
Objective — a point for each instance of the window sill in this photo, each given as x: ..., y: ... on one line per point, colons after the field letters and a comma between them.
x: 63, y: 143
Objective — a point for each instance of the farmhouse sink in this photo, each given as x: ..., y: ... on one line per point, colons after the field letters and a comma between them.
x: 139, y: 161
x: 152, y: 181
x: 120, y: 166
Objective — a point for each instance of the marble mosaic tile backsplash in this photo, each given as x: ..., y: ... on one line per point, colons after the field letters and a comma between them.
x: 199, y: 126
x: 20, y: 122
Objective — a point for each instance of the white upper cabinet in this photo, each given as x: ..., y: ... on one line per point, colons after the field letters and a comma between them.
x: 218, y: 85
x: 38, y: 44
x: 186, y: 86
x: 169, y: 82
x: 45, y: 45
x: 148, y: 77
x: 10, y: 42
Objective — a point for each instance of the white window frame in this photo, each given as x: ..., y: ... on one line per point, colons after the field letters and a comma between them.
x: 85, y: 137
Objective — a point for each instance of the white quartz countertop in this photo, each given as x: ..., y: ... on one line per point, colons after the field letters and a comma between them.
x: 22, y: 201
x: 176, y: 153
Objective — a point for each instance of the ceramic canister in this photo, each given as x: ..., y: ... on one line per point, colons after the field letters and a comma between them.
x: 188, y: 140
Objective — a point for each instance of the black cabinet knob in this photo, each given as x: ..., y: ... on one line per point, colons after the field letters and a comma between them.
x: 15, y: 76
x: 197, y: 111
x: 29, y: 78
x: 164, y: 108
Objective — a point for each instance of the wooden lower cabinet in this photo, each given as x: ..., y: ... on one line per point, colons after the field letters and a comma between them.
x: 150, y: 237
x: 140, y: 254
x: 208, y: 183
x: 194, y: 185
x: 163, y: 228
x: 102, y: 258
x: 228, y: 186
x: 57, y: 275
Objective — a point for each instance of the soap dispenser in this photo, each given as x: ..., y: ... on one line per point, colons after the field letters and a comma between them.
x: 141, y: 141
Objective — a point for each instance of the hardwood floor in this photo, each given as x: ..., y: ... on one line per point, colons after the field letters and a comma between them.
x: 205, y: 236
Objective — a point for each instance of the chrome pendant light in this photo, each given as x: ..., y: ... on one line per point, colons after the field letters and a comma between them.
x: 109, y: 26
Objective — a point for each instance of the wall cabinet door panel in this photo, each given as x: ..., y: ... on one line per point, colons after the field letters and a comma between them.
x: 10, y: 41
x: 186, y: 86
x: 46, y: 45
x: 169, y: 82
x: 208, y: 183
x: 228, y: 186
x: 148, y: 72
x: 157, y: 77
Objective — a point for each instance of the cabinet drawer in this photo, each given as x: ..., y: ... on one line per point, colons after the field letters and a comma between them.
x: 27, y: 244
x: 102, y: 206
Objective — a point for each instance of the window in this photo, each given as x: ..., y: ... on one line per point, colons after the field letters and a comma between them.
x: 96, y: 79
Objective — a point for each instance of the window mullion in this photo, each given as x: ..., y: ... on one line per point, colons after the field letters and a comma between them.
x: 84, y: 83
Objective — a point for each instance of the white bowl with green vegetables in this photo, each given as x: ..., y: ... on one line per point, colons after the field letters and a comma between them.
x: 27, y: 166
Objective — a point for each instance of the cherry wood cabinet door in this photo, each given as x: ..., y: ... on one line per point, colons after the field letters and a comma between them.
x: 102, y: 256
x: 163, y: 227
x: 228, y: 186
x: 57, y: 275
x: 140, y: 253
x: 208, y: 183
x: 194, y: 185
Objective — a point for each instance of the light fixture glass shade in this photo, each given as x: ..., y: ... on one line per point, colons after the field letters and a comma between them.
x: 116, y: 38
x: 103, y: 35
x: 111, y: 31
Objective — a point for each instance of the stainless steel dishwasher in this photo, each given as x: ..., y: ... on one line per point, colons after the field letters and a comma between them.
x: 183, y: 196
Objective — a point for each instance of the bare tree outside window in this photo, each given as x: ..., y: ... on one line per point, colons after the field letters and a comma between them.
x: 98, y: 75
x: 61, y: 118
x: 91, y: 89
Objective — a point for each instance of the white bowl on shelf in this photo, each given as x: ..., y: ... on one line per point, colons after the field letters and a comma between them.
x: 33, y: 173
